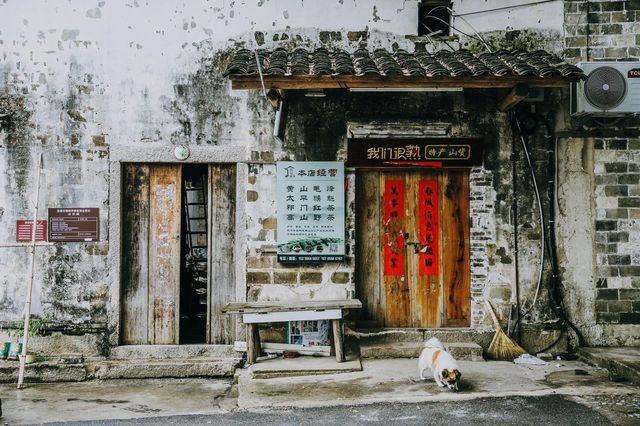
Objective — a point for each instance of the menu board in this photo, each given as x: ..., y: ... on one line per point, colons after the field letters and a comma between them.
x: 310, y: 211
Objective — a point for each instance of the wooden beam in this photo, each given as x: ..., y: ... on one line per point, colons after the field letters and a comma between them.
x: 515, y: 96
x: 393, y: 82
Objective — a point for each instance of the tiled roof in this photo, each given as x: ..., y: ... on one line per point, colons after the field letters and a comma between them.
x: 381, y: 62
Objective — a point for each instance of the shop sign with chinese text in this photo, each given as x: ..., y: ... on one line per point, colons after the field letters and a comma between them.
x: 310, y: 211
x: 410, y: 153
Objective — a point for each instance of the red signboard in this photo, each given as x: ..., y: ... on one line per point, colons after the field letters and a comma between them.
x: 428, y: 223
x: 24, y: 230
x: 74, y: 224
x: 394, y: 252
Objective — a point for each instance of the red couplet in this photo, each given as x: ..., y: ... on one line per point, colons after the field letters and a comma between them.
x: 394, y: 252
x: 428, y: 223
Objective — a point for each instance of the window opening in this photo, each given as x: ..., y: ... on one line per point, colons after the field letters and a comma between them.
x: 434, y: 18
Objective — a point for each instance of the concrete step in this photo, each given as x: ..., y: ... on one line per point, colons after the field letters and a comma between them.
x: 127, y: 352
x: 462, y: 351
x: 389, y: 335
x: 622, y: 362
x: 42, y: 372
x: 158, y: 368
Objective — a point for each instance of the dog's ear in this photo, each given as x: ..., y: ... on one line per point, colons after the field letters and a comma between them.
x: 457, y: 373
x: 445, y: 372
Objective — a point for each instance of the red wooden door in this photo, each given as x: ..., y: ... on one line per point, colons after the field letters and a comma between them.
x: 415, y: 245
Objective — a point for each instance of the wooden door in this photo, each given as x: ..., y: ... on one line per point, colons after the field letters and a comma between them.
x: 413, y: 248
x: 151, y: 254
x: 222, y: 283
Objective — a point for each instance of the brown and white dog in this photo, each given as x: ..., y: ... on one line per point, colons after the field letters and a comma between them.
x: 445, y: 369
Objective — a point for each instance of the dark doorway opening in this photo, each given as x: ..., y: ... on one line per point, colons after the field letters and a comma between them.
x: 194, y: 249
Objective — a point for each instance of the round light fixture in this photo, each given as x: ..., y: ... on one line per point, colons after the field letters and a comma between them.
x: 181, y: 152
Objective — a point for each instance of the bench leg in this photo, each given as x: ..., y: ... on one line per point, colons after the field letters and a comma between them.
x: 338, y: 340
x: 253, y: 343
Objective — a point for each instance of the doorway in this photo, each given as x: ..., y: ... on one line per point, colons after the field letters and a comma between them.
x: 178, y: 240
x: 412, y: 242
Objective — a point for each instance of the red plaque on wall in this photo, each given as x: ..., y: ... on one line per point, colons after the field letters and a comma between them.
x: 24, y: 230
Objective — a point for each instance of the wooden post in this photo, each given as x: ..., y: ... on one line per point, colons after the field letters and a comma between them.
x: 253, y: 343
x: 27, y: 305
x: 338, y: 340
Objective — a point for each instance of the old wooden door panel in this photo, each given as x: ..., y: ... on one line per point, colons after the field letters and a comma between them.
x: 368, y: 287
x: 135, y: 249
x: 424, y: 271
x: 222, y: 328
x: 394, y: 266
x: 164, y: 253
x: 455, y: 227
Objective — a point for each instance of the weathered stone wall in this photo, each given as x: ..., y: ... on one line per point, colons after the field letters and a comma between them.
x: 81, y: 80
x: 84, y: 81
x: 607, y: 31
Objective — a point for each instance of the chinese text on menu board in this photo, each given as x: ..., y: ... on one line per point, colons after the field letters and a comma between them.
x: 310, y: 211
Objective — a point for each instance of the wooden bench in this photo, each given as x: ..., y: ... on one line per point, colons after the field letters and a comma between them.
x: 254, y: 313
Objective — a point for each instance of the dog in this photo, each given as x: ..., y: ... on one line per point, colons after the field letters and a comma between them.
x: 444, y: 367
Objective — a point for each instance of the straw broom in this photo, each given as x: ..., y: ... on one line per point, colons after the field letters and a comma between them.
x: 502, y: 347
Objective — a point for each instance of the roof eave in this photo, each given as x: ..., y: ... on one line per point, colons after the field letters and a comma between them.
x: 283, y: 82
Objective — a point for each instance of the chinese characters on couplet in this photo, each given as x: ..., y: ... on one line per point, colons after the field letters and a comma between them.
x: 310, y: 211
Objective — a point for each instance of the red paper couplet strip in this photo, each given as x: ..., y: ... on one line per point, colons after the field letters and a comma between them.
x: 429, y: 227
x: 394, y: 252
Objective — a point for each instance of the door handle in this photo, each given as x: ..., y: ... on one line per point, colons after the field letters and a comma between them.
x: 416, y: 245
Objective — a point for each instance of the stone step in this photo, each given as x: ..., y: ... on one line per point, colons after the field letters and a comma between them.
x: 42, y: 372
x: 462, y: 351
x: 127, y: 352
x: 160, y: 368
x: 389, y: 335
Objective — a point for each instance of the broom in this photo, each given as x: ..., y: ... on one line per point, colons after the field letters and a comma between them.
x: 502, y: 347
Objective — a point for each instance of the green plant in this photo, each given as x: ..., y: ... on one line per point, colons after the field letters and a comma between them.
x: 37, y: 326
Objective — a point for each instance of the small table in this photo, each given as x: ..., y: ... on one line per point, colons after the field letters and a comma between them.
x: 254, y: 313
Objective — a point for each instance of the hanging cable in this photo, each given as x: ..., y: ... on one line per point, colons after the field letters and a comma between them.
x: 264, y: 90
x: 541, y: 217
x: 507, y: 7
x: 453, y: 14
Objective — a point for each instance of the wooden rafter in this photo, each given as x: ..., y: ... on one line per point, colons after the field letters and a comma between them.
x: 394, y: 82
x: 515, y: 96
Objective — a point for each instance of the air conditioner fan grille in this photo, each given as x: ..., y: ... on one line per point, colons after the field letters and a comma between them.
x: 605, y: 88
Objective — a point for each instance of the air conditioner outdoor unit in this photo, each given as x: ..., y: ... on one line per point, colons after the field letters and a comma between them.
x: 611, y: 89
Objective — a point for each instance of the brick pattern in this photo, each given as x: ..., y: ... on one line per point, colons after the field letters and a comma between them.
x: 617, y: 226
x: 482, y: 232
x: 611, y: 33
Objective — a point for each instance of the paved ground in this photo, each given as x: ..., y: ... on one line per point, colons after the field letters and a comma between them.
x: 389, y: 388
x: 539, y: 411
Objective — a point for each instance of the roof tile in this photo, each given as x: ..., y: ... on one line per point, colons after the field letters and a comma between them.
x: 461, y: 63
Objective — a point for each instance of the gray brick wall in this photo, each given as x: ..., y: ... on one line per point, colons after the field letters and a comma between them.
x: 612, y: 32
x: 481, y: 205
x: 617, y: 227
x: 598, y: 31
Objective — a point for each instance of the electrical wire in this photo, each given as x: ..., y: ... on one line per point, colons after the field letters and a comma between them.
x: 541, y: 216
x: 453, y: 14
x: 507, y: 7
x: 451, y: 26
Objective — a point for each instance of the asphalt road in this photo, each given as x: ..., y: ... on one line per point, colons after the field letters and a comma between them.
x: 546, y: 410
